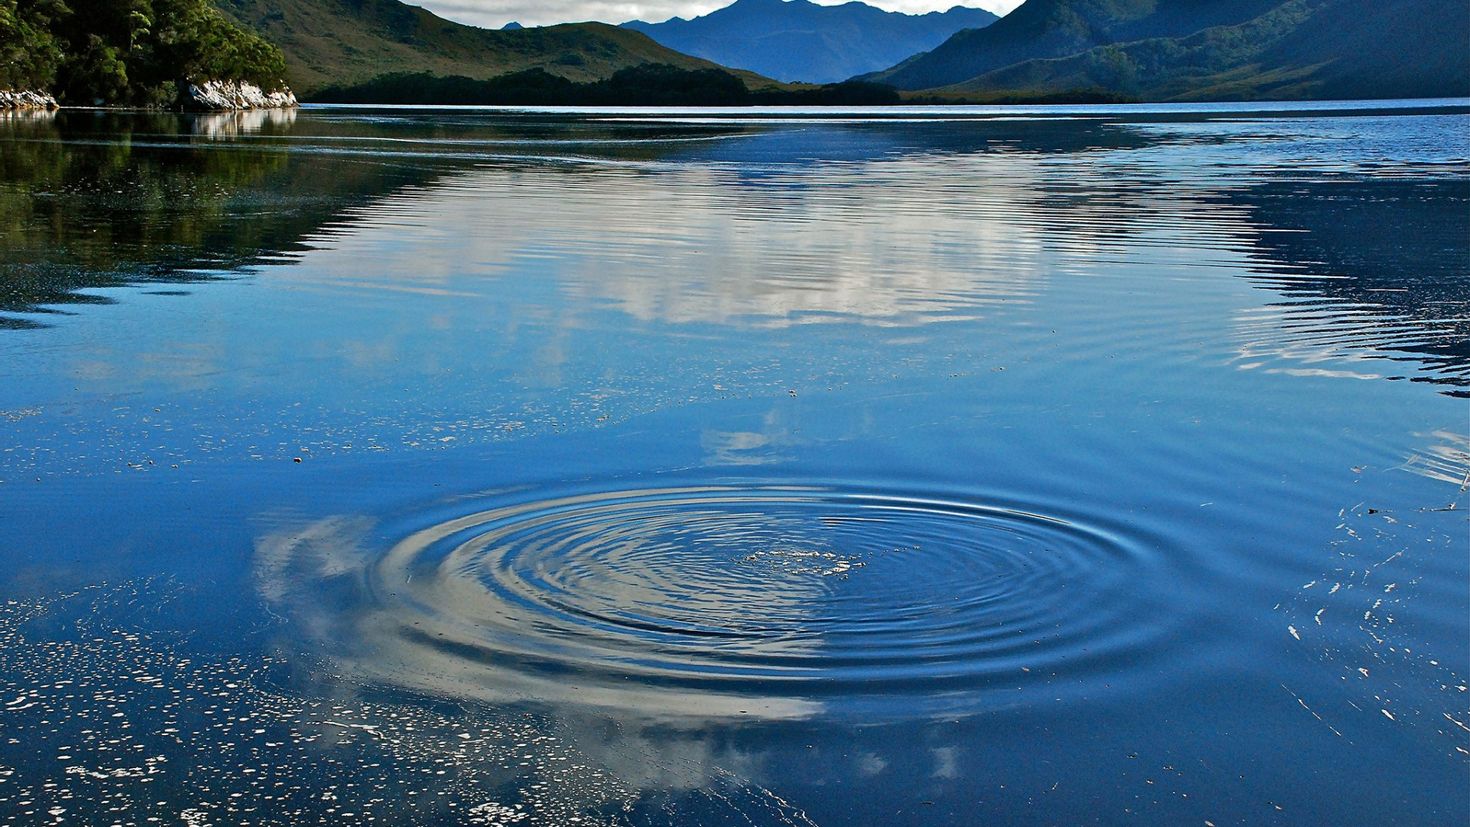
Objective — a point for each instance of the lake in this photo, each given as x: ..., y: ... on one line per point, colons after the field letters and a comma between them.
x: 917, y: 466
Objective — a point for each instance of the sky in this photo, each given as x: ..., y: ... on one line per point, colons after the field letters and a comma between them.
x: 496, y: 13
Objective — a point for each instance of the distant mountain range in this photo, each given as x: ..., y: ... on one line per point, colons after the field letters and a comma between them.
x: 338, y: 42
x: 1048, y: 50
x: 1204, y: 50
x: 797, y: 40
x: 1155, y: 50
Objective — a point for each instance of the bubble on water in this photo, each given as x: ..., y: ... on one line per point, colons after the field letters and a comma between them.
x: 110, y: 721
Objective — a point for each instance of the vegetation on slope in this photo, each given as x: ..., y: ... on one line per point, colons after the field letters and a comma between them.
x: 349, y: 42
x: 127, y: 52
x: 1042, y: 29
x: 1300, y: 49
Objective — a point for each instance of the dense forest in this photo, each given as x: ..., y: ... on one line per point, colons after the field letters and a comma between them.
x: 127, y: 52
x: 647, y: 85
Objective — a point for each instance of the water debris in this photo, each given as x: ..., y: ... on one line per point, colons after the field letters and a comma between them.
x: 1311, y: 711
x: 131, y: 729
x: 371, y: 729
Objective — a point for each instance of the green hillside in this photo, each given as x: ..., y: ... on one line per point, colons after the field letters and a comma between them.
x: 345, y: 42
x: 1299, y: 49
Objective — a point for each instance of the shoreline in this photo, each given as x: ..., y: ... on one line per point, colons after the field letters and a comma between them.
x: 223, y: 98
x: 207, y: 97
x: 1234, y: 108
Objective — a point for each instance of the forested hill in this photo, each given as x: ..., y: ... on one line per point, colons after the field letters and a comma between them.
x: 797, y: 40
x: 127, y: 52
x: 346, y: 42
x: 1042, y: 29
x: 1304, y: 49
x: 1205, y: 50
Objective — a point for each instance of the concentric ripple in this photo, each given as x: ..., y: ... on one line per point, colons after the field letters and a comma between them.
x: 771, y: 600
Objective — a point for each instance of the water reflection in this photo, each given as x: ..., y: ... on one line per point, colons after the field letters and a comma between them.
x: 710, y: 602
x: 733, y: 221
x: 222, y: 126
x: 427, y: 259
x: 1338, y: 254
x: 97, y: 200
x: 733, y: 472
x: 681, y: 247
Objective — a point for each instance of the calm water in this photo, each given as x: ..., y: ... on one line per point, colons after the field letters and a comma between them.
x: 951, y: 466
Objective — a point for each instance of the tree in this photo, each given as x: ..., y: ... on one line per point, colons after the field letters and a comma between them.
x: 30, y: 53
x: 128, y: 52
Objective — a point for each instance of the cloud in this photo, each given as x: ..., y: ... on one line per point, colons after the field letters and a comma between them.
x: 496, y: 13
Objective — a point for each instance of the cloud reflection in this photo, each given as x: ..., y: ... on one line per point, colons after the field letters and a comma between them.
x: 318, y: 576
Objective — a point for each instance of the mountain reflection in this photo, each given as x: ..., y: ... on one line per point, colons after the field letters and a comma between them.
x: 1370, y: 265
x: 98, y: 200
x: 744, y: 222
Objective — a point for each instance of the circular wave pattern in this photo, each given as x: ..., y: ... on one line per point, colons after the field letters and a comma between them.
x: 803, y: 593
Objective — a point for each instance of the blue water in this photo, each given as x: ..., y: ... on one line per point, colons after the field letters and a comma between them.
x: 932, y: 466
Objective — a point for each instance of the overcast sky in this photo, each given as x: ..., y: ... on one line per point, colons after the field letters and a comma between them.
x: 496, y: 13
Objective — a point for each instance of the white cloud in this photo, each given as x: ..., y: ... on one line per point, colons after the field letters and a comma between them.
x: 496, y: 13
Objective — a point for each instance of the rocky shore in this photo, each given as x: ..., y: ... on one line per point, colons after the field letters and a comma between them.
x: 10, y: 100
x: 210, y: 96
x: 229, y: 95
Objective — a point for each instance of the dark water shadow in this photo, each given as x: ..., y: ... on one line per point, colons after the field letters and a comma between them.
x: 100, y: 200
x: 1370, y: 265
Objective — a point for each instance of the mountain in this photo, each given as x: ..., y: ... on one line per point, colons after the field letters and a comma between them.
x: 1042, y: 29
x: 1205, y: 50
x: 797, y: 40
x: 1303, y: 49
x: 351, y: 41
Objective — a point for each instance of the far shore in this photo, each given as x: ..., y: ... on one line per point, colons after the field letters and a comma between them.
x: 905, y: 106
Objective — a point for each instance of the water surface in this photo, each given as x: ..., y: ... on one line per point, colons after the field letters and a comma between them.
x: 932, y: 466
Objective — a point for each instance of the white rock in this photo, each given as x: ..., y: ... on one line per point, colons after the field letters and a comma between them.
x: 225, y: 95
x: 25, y: 99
